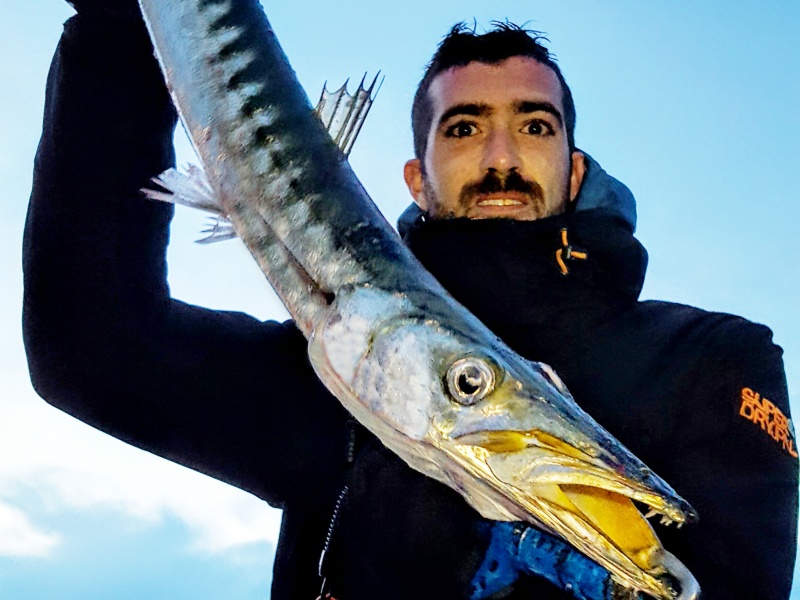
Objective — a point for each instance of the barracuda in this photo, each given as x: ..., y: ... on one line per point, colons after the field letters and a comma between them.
x: 411, y: 364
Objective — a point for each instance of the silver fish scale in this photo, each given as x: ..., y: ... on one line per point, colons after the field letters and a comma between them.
x: 280, y: 172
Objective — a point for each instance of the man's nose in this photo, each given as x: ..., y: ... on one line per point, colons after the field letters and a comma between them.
x: 501, y: 152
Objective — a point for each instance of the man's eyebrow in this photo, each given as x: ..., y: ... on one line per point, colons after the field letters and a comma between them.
x: 475, y: 109
x: 529, y: 106
x: 470, y: 109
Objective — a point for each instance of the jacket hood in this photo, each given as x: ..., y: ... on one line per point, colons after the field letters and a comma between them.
x: 600, y: 190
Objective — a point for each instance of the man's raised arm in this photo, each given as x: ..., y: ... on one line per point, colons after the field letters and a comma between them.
x: 219, y: 392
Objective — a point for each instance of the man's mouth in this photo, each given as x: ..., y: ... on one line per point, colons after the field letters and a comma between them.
x: 500, y: 202
x: 498, y: 196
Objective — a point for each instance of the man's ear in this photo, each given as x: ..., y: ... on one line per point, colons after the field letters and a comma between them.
x: 576, y: 177
x: 412, y: 173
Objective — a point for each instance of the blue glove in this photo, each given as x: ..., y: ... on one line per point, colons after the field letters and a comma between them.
x: 517, y: 548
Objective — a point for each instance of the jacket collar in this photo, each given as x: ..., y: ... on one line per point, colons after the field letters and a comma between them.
x: 578, y: 267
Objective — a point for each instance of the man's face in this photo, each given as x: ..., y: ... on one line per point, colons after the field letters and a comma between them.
x: 497, y: 146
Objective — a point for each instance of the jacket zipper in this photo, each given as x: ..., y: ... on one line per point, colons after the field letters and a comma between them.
x: 323, y: 593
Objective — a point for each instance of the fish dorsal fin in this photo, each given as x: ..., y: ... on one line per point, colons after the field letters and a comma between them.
x: 344, y: 113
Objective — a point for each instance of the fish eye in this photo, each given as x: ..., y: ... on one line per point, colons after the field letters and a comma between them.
x: 469, y: 380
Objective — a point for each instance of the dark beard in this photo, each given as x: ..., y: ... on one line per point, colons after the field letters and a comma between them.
x: 493, y: 183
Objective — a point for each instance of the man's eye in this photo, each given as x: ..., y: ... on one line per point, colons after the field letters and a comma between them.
x: 538, y: 128
x: 461, y: 129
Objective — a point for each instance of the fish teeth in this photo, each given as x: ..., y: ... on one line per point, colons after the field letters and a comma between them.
x: 666, y: 521
x: 554, y: 378
x: 651, y: 513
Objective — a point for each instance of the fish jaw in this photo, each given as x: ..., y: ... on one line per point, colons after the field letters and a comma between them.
x: 539, y: 451
x: 524, y: 452
x: 576, y: 504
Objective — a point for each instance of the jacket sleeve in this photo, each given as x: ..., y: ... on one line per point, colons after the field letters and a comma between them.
x: 219, y: 392
x: 736, y: 463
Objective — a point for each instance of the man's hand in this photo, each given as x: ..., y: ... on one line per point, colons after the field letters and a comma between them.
x: 517, y: 549
x: 108, y: 9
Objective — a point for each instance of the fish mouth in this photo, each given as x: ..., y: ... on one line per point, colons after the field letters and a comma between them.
x: 582, y: 500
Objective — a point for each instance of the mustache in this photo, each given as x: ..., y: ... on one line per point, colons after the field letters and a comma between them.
x: 493, y: 183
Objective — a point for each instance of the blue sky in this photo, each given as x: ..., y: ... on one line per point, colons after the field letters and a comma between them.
x: 693, y: 104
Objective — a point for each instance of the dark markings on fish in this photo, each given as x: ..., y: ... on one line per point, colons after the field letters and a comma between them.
x: 252, y: 104
x: 247, y: 74
x: 278, y: 160
x: 233, y: 48
x: 369, y: 236
x: 237, y: 80
x: 254, y: 31
x: 265, y: 243
x: 222, y: 21
x: 264, y: 135
x: 208, y: 3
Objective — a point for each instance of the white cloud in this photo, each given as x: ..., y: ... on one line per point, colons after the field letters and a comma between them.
x: 18, y: 537
x: 66, y: 465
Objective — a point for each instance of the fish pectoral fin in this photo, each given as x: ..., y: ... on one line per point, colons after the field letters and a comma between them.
x: 343, y: 113
x: 219, y: 229
x: 190, y: 188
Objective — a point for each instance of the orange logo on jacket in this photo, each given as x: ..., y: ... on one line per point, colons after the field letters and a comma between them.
x: 771, y: 419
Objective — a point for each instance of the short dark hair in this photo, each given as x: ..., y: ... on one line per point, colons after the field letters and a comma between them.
x: 462, y: 46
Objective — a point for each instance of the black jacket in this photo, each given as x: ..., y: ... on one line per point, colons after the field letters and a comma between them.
x: 700, y: 397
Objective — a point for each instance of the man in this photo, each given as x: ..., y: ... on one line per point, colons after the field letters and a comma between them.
x: 547, y: 234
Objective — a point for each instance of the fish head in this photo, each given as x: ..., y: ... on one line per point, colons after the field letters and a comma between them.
x: 461, y: 407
